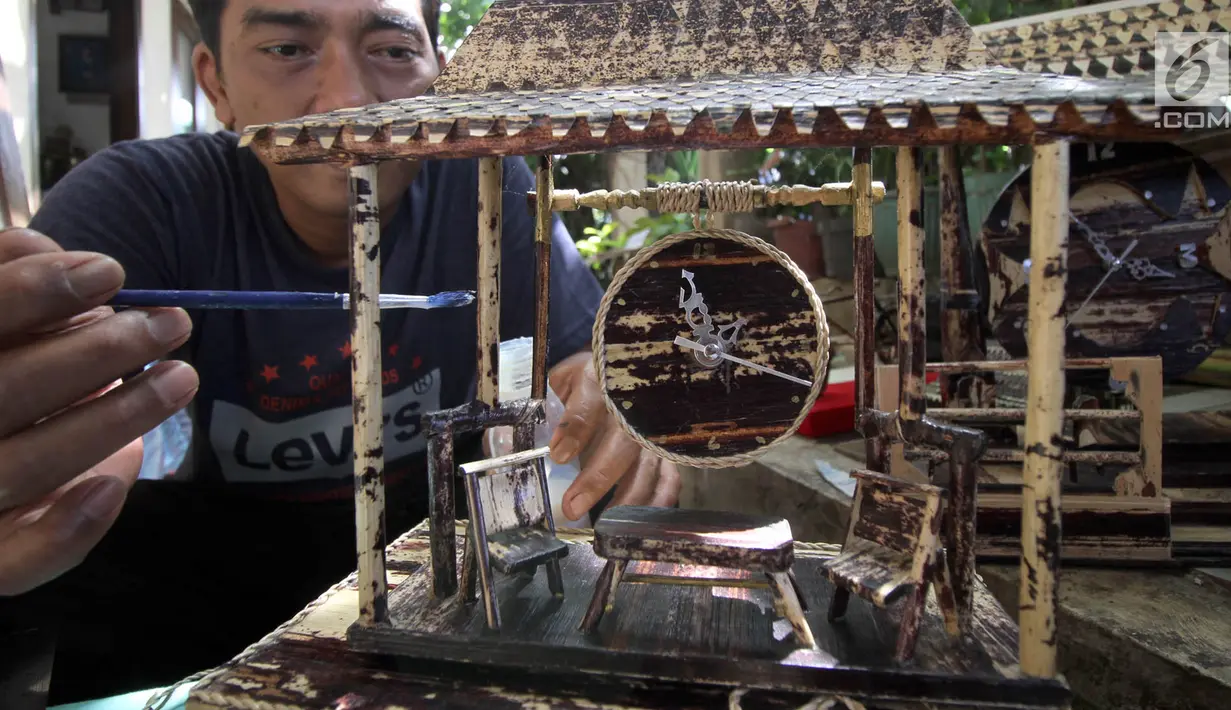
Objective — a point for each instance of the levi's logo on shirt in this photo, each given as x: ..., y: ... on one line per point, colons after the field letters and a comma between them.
x: 319, y: 445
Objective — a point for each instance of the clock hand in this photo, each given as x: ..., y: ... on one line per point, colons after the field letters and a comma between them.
x: 1115, y: 266
x: 713, y: 350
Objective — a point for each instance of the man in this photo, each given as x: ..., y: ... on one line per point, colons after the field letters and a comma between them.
x: 196, y: 567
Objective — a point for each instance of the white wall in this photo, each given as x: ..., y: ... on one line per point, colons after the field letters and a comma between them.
x: 21, y: 74
x: 91, y: 122
x: 155, y: 68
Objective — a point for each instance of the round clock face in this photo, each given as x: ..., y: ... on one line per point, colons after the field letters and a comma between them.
x: 710, y: 347
x: 1151, y: 207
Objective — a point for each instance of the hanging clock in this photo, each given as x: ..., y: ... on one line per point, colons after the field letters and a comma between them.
x: 1140, y: 282
x: 710, y: 346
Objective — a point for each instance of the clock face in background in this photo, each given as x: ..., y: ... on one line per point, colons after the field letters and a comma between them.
x: 706, y: 287
x: 1163, y: 300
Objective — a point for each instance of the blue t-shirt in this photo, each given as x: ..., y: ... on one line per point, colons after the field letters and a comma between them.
x: 274, y: 410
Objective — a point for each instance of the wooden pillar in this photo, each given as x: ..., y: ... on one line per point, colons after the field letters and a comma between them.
x: 368, y: 395
x: 1049, y: 235
x: 544, y: 184
x: 491, y: 204
x: 961, y: 334
x: 961, y: 340
x: 912, y: 288
x: 865, y: 286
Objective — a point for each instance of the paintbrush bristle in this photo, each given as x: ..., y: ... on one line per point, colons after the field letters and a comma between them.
x: 450, y: 299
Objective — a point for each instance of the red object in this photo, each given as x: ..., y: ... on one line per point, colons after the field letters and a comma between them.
x: 834, y: 411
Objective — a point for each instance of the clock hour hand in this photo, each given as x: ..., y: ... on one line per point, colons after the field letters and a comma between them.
x: 714, y: 350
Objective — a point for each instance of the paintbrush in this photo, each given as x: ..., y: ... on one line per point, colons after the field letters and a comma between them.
x: 278, y: 300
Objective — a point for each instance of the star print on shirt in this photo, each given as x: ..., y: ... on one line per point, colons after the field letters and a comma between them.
x: 393, y: 350
x: 345, y: 350
x: 270, y: 373
x: 308, y: 362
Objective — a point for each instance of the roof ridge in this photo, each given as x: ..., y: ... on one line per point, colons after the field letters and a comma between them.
x: 554, y: 44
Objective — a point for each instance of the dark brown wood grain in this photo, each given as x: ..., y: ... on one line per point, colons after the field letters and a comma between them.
x: 544, y: 186
x: 961, y: 333
x: 442, y: 510
x: 695, y: 537
x: 1089, y: 530
x: 865, y: 295
x: 660, y: 389
x: 872, y: 571
x: 721, y: 640
x: 889, y: 520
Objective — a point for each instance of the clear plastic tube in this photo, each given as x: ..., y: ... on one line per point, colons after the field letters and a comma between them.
x: 516, y: 369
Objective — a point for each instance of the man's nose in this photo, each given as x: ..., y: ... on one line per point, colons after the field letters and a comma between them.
x: 342, y: 81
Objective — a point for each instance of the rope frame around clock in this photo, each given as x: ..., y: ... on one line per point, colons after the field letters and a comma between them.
x: 820, y: 366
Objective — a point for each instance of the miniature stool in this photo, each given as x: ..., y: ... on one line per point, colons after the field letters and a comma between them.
x: 762, y: 544
x: 893, y: 547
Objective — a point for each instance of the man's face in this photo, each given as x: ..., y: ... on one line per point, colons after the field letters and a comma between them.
x: 281, y: 59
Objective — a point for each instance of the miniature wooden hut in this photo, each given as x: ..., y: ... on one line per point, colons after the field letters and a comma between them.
x: 551, y: 77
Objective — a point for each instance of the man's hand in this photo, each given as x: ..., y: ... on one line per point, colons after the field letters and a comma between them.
x: 70, y: 433
x: 608, y: 456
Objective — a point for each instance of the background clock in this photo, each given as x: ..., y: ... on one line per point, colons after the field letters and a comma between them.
x: 1140, y: 281
x: 710, y: 346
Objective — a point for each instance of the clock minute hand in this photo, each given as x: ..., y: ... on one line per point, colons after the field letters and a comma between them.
x: 1115, y: 266
x: 686, y: 343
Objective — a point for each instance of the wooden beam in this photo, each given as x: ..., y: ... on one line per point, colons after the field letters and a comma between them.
x: 912, y: 296
x: 1043, y: 468
x: 1095, y: 527
x: 961, y: 332
x: 368, y: 395
x: 544, y: 179
x: 829, y: 194
x: 513, y: 459
x: 865, y: 286
x: 491, y: 209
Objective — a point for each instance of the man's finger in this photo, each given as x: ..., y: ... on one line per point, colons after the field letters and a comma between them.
x: 638, y: 487
x: 584, y: 415
x: 56, y: 371
x: 615, y: 456
x: 59, y: 539
x: 17, y: 242
x: 667, y: 492
x: 75, y: 322
x: 42, y: 458
x: 38, y: 290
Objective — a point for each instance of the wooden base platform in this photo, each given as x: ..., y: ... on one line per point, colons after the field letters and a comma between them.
x: 707, y: 637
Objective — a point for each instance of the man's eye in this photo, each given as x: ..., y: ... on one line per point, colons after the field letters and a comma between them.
x: 286, y: 51
x: 398, y: 53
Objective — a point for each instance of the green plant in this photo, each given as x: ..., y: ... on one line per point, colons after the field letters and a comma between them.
x: 457, y: 18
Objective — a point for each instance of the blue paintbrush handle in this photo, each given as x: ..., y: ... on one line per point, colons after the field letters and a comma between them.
x: 228, y: 299
x: 277, y: 300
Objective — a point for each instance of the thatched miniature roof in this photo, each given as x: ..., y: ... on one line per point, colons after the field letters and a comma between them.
x: 1114, y: 39
x: 568, y: 76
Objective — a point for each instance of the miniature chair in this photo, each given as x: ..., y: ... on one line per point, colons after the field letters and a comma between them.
x: 511, y: 527
x: 758, y: 544
x: 893, y: 547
